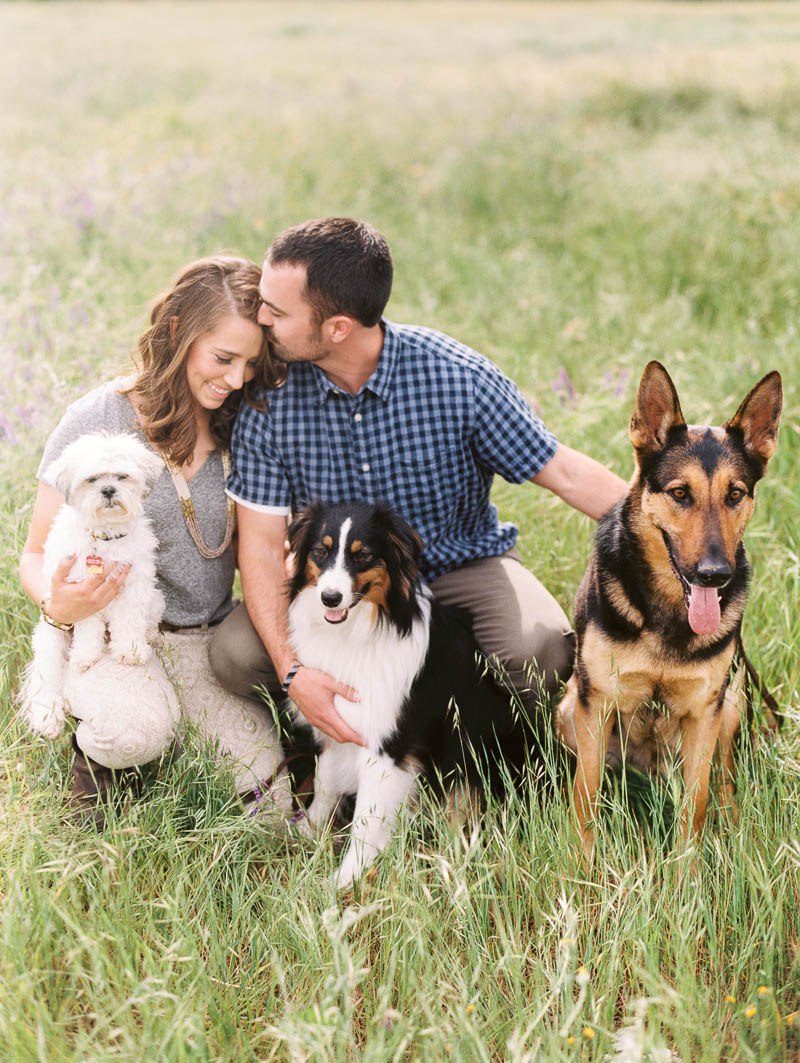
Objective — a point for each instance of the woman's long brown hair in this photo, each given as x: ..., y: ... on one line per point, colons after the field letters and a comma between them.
x: 203, y: 293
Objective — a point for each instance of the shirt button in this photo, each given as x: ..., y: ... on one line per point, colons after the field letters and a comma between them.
x: 357, y: 417
x: 365, y: 467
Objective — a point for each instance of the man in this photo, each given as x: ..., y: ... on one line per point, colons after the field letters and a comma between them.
x: 373, y: 410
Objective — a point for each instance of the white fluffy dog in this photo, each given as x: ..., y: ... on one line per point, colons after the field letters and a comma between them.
x: 103, y: 479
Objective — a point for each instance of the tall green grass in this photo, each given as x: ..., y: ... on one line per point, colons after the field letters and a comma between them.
x: 572, y: 189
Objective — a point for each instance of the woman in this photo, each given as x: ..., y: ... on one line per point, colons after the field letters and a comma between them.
x: 204, y: 351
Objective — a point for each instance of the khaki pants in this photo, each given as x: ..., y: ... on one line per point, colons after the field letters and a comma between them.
x: 518, y: 624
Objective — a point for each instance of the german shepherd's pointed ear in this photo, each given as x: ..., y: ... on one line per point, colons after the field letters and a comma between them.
x: 758, y: 418
x: 657, y: 410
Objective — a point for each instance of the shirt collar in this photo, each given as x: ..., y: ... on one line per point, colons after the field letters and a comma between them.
x: 380, y: 383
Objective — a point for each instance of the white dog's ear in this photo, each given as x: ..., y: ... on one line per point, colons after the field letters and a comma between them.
x: 59, y: 474
x: 152, y: 465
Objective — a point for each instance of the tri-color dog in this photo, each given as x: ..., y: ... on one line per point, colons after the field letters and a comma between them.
x: 359, y: 612
x: 659, y: 612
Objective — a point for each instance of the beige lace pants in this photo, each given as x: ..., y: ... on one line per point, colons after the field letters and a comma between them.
x: 131, y: 715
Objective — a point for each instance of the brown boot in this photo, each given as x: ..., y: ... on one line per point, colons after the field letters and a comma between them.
x: 93, y: 787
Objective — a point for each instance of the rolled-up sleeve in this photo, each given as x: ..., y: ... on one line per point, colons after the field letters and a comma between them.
x: 258, y: 478
x: 508, y: 437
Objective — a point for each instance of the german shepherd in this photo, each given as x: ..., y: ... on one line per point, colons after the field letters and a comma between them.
x: 659, y: 612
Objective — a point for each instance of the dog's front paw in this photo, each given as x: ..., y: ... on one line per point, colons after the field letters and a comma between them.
x: 350, y: 870
x: 133, y: 653
x: 83, y: 661
x: 47, y: 718
x: 304, y: 827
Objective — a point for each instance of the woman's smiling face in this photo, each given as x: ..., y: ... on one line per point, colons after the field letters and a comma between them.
x: 223, y: 361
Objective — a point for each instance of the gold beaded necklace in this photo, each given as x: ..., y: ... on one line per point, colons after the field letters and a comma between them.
x: 188, y: 510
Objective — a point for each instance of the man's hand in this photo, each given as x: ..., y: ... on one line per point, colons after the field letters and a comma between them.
x: 70, y: 602
x: 313, y: 691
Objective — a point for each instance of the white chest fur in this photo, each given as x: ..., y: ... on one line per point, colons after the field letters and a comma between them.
x: 372, y: 658
x: 69, y: 534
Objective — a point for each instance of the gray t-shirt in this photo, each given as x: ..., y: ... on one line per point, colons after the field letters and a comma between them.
x: 196, y: 590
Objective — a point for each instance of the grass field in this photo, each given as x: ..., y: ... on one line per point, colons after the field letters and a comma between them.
x: 572, y: 189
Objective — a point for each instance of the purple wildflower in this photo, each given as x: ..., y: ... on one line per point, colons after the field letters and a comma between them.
x: 78, y: 315
x: 84, y: 210
x: 25, y: 414
x: 7, y: 430
x: 615, y: 379
x: 258, y: 797
x: 562, y: 386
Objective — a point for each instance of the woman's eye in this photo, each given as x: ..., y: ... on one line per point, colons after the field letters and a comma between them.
x: 221, y: 360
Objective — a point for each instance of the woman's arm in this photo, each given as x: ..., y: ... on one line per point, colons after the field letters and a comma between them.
x: 68, y: 602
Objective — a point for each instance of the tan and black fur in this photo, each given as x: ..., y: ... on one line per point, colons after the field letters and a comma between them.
x: 659, y: 612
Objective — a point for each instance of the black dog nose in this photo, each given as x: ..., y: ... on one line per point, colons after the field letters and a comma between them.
x: 331, y: 598
x: 108, y: 492
x: 713, y: 573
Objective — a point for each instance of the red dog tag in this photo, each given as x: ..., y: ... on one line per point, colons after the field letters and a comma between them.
x: 94, y: 564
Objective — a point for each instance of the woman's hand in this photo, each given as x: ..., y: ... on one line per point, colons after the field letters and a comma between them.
x: 68, y: 602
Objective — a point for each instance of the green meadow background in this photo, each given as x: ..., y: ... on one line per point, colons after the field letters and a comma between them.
x: 572, y: 189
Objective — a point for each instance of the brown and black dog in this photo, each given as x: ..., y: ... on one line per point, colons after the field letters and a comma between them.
x: 659, y: 612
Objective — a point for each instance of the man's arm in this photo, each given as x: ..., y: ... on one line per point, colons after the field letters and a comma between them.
x: 261, y: 538
x: 581, y: 481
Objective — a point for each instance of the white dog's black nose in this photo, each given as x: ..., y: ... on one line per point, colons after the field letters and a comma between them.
x: 331, y: 598
x: 108, y: 492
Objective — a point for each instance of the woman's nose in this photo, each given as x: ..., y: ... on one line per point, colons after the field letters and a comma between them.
x: 234, y: 375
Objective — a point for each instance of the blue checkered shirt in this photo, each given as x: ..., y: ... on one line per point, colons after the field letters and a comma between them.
x: 426, y: 433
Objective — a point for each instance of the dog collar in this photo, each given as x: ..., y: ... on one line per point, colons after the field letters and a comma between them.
x: 106, y: 537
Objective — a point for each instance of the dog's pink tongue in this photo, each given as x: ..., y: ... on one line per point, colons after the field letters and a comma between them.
x: 335, y: 616
x: 703, y: 610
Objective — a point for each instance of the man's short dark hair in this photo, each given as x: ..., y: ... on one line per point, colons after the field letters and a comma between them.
x: 348, y: 266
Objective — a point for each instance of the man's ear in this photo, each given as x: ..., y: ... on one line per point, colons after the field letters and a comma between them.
x: 338, y: 327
